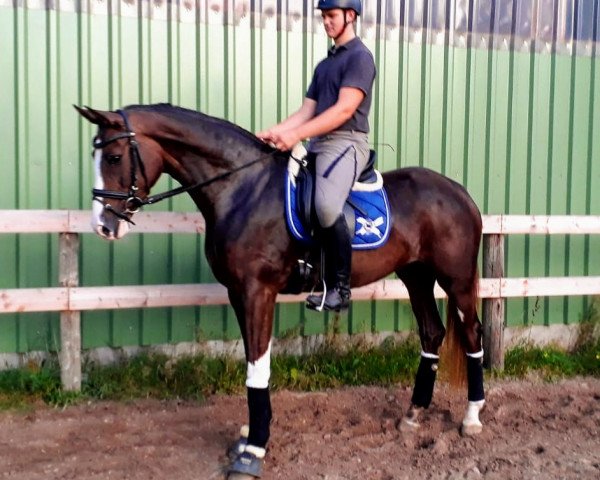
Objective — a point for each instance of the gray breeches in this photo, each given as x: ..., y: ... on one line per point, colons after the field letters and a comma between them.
x: 341, y: 157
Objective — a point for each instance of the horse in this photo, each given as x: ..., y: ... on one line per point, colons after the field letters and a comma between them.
x: 237, y: 182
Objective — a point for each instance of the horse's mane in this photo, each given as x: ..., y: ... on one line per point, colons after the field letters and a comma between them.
x: 193, y: 117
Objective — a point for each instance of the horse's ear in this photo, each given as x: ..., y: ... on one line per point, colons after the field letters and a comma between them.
x: 97, y: 117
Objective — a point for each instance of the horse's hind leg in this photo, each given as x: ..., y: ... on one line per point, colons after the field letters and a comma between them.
x: 419, y: 280
x: 462, y: 309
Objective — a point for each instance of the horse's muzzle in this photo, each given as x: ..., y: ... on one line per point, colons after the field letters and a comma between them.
x: 111, y: 226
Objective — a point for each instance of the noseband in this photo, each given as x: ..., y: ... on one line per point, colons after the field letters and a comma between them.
x: 132, y: 201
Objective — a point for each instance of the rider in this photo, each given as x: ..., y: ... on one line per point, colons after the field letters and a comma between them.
x: 334, y: 115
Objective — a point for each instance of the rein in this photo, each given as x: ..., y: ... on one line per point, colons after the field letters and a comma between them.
x: 132, y: 201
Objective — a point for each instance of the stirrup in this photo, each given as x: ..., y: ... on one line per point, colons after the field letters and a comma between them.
x: 315, y: 302
x: 248, y: 464
x: 319, y: 303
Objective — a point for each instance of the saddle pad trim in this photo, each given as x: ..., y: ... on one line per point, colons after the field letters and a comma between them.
x: 369, y: 187
x: 297, y: 230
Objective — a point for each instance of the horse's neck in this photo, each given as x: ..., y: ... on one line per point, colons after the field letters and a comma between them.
x: 199, y: 148
x: 191, y: 165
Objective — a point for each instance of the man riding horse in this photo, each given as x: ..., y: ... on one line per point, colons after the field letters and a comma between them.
x: 334, y: 115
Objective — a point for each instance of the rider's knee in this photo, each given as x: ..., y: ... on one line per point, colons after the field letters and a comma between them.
x: 326, y: 213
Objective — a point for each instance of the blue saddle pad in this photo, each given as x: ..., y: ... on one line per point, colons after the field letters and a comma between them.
x: 372, y: 226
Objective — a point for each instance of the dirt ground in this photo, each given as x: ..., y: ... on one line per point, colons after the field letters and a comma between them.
x: 532, y: 430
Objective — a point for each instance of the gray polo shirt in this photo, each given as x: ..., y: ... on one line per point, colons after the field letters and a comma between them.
x: 350, y: 65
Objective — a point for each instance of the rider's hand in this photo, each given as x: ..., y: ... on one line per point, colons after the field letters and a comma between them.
x: 265, y: 135
x: 285, y: 140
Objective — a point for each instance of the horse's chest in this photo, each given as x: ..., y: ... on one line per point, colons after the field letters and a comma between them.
x: 225, y: 249
x: 252, y: 247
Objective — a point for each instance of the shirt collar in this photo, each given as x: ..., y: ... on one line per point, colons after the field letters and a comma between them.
x: 346, y: 46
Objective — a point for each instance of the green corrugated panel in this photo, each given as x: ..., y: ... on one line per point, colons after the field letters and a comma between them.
x: 9, y: 244
x: 557, y: 175
x: 518, y: 170
x: 478, y: 166
x: 593, y: 165
x: 458, y: 94
x: 540, y: 144
x: 435, y: 97
x: 388, y: 106
x: 496, y: 148
x: 516, y: 128
x: 579, y: 122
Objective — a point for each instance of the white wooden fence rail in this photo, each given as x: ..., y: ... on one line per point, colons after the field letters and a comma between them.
x: 70, y: 299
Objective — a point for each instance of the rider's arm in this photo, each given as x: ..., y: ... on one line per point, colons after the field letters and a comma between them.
x: 348, y: 101
x: 302, y: 115
x: 335, y: 116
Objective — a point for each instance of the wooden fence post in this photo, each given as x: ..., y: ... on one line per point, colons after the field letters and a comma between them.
x: 493, y: 308
x: 70, y: 321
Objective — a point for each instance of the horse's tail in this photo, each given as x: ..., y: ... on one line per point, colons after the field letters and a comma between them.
x: 453, y: 359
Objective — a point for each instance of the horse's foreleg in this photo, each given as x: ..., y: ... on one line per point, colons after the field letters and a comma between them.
x: 255, y: 315
x: 259, y: 403
x: 248, y: 452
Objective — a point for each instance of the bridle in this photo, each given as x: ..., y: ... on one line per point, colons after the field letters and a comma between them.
x: 133, y: 202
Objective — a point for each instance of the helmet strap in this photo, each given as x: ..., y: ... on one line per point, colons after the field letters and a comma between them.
x: 346, y: 22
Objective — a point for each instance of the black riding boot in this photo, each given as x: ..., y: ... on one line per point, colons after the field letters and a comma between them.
x: 337, y: 250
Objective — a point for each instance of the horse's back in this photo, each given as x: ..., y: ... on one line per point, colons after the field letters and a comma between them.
x: 433, y: 212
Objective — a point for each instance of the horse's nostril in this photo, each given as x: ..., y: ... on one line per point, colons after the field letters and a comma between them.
x: 106, y: 231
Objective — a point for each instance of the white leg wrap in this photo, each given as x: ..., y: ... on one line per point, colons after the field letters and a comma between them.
x: 471, y: 423
x: 478, y: 354
x: 258, y: 452
x: 430, y: 355
x: 258, y: 373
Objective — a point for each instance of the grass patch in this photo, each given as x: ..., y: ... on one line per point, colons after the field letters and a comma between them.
x: 20, y: 388
x: 551, y: 362
x: 195, y: 378
x: 158, y: 376
x: 390, y: 363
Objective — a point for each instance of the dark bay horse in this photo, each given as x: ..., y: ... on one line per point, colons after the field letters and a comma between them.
x: 237, y: 182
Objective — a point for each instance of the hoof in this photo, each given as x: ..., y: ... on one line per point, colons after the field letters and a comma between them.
x: 410, y: 421
x: 408, y: 425
x: 471, y: 429
x: 240, y: 476
x: 471, y: 424
x: 247, y: 466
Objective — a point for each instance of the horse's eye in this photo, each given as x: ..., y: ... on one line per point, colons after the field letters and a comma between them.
x: 113, y: 159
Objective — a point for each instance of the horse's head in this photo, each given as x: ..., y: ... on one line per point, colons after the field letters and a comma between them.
x: 123, y: 179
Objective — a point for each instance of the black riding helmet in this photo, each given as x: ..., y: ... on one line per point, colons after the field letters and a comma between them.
x: 355, y: 5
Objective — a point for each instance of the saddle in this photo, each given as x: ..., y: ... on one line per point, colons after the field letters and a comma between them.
x: 366, y: 209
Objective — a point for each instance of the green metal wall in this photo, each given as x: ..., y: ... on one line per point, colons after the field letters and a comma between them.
x: 503, y: 96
